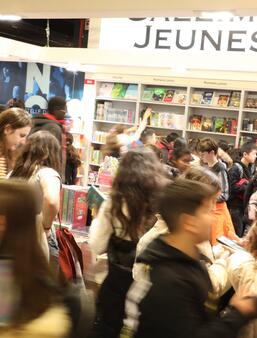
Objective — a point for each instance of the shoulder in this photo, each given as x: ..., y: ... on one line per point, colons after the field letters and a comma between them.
x: 47, y: 173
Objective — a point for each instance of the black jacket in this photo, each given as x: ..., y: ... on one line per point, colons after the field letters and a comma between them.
x: 236, y: 173
x: 43, y: 123
x: 172, y: 304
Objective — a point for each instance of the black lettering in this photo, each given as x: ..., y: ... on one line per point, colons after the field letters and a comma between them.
x: 231, y: 40
x: 182, y: 19
x: 147, y: 38
x: 254, y: 38
x: 137, y: 19
x: 206, y: 35
x: 178, y: 44
x: 160, y: 38
x: 241, y: 18
x: 203, y: 19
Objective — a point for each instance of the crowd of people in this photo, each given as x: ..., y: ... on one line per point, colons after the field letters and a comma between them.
x: 171, y: 203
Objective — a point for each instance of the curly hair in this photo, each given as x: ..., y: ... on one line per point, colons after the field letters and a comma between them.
x: 139, y: 179
x: 251, y: 244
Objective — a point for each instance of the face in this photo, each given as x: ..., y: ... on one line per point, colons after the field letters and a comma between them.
x: 251, y: 157
x: 206, y: 156
x: 183, y: 163
x: 15, y: 137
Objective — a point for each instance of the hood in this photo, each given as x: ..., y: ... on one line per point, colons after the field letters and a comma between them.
x: 41, y: 120
x: 159, y: 251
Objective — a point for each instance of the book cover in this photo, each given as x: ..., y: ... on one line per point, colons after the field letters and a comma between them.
x: 180, y: 97
x: 219, y: 125
x: 207, y: 124
x: 131, y: 92
x: 168, y: 97
x: 158, y: 94
x: 195, y: 122
x: 207, y: 98
x: 147, y: 94
x: 70, y: 205
x: 65, y: 205
x: 105, y: 89
x: 177, y: 121
x: 223, y: 100
x: 251, y: 101
x: 95, y: 197
x: 80, y: 208
x: 154, y: 119
x: 227, y: 125
x: 233, y: 129
x: 119, y: 90
x: 196, y: 98
x: 235, y: 99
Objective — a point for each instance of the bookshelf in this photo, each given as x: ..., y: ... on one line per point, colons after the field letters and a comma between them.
x: 223, y: 109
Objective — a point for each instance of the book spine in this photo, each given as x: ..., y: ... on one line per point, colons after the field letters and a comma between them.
x: 80, y: 209
x: 65, y: 205
x: 70, y: 206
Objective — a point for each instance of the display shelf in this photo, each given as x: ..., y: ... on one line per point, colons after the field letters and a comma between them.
x: 100, y: 98
x: 209, y: 133
x: 164, y: 128
x: 112, y: 122
x: 213, y: 107
x: 161, y: 103
x: 250, y: 110
x: 248, y: 132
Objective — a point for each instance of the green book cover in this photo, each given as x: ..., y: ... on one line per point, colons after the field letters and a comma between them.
x: 158, y: 94
x: 119, y: 90
x: 95, y: 197
x: 147, y: 94
x: 65, y: 205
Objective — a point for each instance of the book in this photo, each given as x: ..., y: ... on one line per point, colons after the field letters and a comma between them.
x: 119, y: 90
x: 105, y: 89
x: 196, y: 98
x: 80, y: 208
x: 235, y: 99
x: 131, y: 92
x: 158, y: 94
x: 251, y: 101
x: 95, y: 197
x: 147, y: 94
x: 207, y: 124
x: 223, y: 100
x: 233, y: 129
x: 207, y: 97
x: 65, y: 205
x: 195, y: 122
x: 168, y: 97
x: 219, y: 125
x: 180, y: 97
x: 71, y: 194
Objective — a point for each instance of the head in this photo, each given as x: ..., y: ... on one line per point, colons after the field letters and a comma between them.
x: 224, y: 145
x: 15, y: 103
x: 41, y: 150
x: 248, y: 152
x: 193, y: 145
x: 19, y: 240
x: 148, y: 136
x: 15, y: 125
x: 181, y: 159
x: 186, y: 208
x: 180, y: 143
x: 57, y: 107
x: 139, y: 178
x: 208, y: 150
x: 252, y: 240
x: 113, y: 144
x: 157, y: 151
x: 171, y: 138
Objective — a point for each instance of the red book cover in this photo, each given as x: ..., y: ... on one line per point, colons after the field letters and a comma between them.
x: 233, y: 126
x: 80, y: 209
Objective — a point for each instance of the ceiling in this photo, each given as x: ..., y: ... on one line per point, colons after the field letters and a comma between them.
x: 115, y: 8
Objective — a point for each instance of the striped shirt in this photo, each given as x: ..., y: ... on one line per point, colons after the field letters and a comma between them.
x: 3, y: 166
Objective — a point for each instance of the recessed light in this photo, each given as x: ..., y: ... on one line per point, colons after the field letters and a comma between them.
x: 10, y: 17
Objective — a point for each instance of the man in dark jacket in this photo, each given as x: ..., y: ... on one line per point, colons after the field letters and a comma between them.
x: 166, y: 145
x: 170, y: 302
x: 239, y: 177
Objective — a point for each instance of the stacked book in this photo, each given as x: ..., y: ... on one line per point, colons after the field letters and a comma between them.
x: 161, y: 94
x: 217, y: 99
x: 213, y: 124
x: 118, y: 91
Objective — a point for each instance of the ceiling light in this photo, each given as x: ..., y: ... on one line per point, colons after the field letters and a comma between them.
x: 10, y: 17
x: 217, y: 15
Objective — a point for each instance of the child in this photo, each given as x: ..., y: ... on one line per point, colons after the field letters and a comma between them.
x: 170, y: 302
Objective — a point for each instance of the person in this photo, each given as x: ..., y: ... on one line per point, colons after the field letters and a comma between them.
x: 169, y: 302
x: 148, y: 137
x: 15, y: 125
x: 39, y: 163
x: 193, y: 147
x: 250, y: 201
x: 239, y: 177
x: 166, y: 144
x: 15, y: 103
x: 73, y: 161
x: 222, y: 223
x: 181, y: 159
x: 121, y: 221
x: 31, y: 302
x: 54, y: 122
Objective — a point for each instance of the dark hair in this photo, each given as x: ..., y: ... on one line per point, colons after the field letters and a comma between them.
x: 146, y: 135
x: 224, y: 145
x: 156, y: 150
x: 182, y: 197
x: 15, y: 103
x: 203, y: 175
x: 193, y: 144
x: 41, y: 150
x: 139, y: 178
x: 32, y: 277
x: 15, y: 117
x: 247, y: 148
x: 56, y: 103
x: 72, y: 153
x: 180, y: 143
x: 172, y: 137
x: 180, y: 152
x: 208, y: 144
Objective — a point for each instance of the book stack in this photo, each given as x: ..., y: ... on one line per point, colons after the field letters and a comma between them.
x: 167, y: 120
x: 106, y: 112
x: 244, y: 139
x: 73, y: 206
x: 217, y: 99
x: 99, y: 136
x: 118, y: 91
x: 96, y: 156
x: 213, y: 124
x: 160, y: 94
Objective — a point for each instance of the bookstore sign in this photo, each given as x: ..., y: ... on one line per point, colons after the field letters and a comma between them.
x: 181, y: 35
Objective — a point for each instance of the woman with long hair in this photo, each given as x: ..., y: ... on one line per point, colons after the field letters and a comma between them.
x: 31, y: 303
x: 121, y: 221
x: 15, y: 125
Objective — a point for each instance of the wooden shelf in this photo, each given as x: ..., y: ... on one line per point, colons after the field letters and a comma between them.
x: 99, y: 98
x: 114, y: 122
x: 161, y: 103
x: 213, y: 107
x: 209, y: 132
x: 153, y: 127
